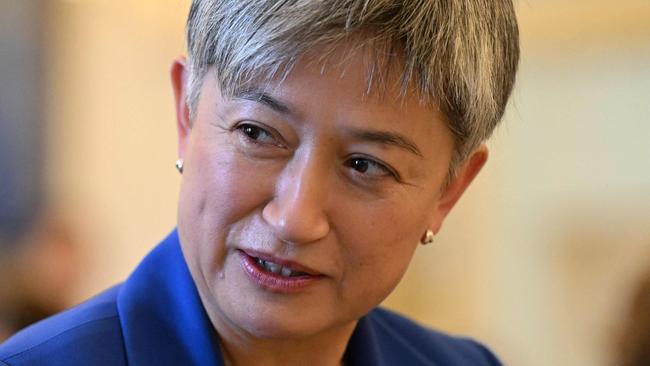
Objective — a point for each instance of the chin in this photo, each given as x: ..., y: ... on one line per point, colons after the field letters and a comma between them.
x: 269, y: 327
x: 273, y: 321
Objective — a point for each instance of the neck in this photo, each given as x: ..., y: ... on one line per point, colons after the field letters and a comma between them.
x: 324, y: 349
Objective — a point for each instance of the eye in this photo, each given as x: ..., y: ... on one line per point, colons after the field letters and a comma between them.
x: 257, y: 134
x: 370, y: 168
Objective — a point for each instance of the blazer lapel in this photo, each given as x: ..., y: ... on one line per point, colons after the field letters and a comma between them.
x: 162, y: 318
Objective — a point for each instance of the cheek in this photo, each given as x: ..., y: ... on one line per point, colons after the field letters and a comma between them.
x: 217, y: 191
x: 378, y: 245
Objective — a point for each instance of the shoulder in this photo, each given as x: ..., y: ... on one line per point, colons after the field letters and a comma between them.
x: 88, y: 334
x: 401, y: 338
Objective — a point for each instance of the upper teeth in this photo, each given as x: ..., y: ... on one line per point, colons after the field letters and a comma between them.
x: 277, y: 268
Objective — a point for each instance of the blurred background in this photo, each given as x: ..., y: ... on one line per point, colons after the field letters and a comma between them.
x: 541, y: 260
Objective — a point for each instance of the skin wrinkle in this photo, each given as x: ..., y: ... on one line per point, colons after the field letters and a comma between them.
x: 387, y: 138
x: 261, y: 97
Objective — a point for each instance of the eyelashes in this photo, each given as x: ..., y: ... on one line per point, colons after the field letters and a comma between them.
x: 257, y: 134
x: 370, y: 167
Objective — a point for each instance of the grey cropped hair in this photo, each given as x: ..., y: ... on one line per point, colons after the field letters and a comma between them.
x: 460, y: 56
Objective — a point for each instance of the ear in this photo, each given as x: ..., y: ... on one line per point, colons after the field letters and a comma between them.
x: 465, y: 174
x: 179, y: 75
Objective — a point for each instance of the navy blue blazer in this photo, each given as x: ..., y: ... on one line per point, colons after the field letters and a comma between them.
x: 156, y: 318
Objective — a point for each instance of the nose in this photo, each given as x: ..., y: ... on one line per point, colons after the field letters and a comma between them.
x: 297, y: 211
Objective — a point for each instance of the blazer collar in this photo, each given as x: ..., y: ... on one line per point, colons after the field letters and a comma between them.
x: 363, y: 348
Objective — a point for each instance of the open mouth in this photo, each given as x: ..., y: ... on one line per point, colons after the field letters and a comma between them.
x: 278, y: 269
x: 277, y: 275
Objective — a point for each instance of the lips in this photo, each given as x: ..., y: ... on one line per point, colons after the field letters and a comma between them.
x: 276, y: 274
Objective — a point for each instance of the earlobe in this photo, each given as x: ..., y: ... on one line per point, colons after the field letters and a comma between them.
x: 465, y: 174
x: 179, y: 75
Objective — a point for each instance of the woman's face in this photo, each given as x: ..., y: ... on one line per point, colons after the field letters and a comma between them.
x: 301, y: 205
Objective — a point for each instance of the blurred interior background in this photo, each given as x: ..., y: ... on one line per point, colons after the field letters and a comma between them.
x: 540, y: 259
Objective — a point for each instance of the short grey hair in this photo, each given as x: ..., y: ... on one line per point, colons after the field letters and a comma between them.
x: 461, y: 55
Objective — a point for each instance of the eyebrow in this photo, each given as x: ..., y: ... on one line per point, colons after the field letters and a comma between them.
x: 263, y: 98
x: 386, y: 138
